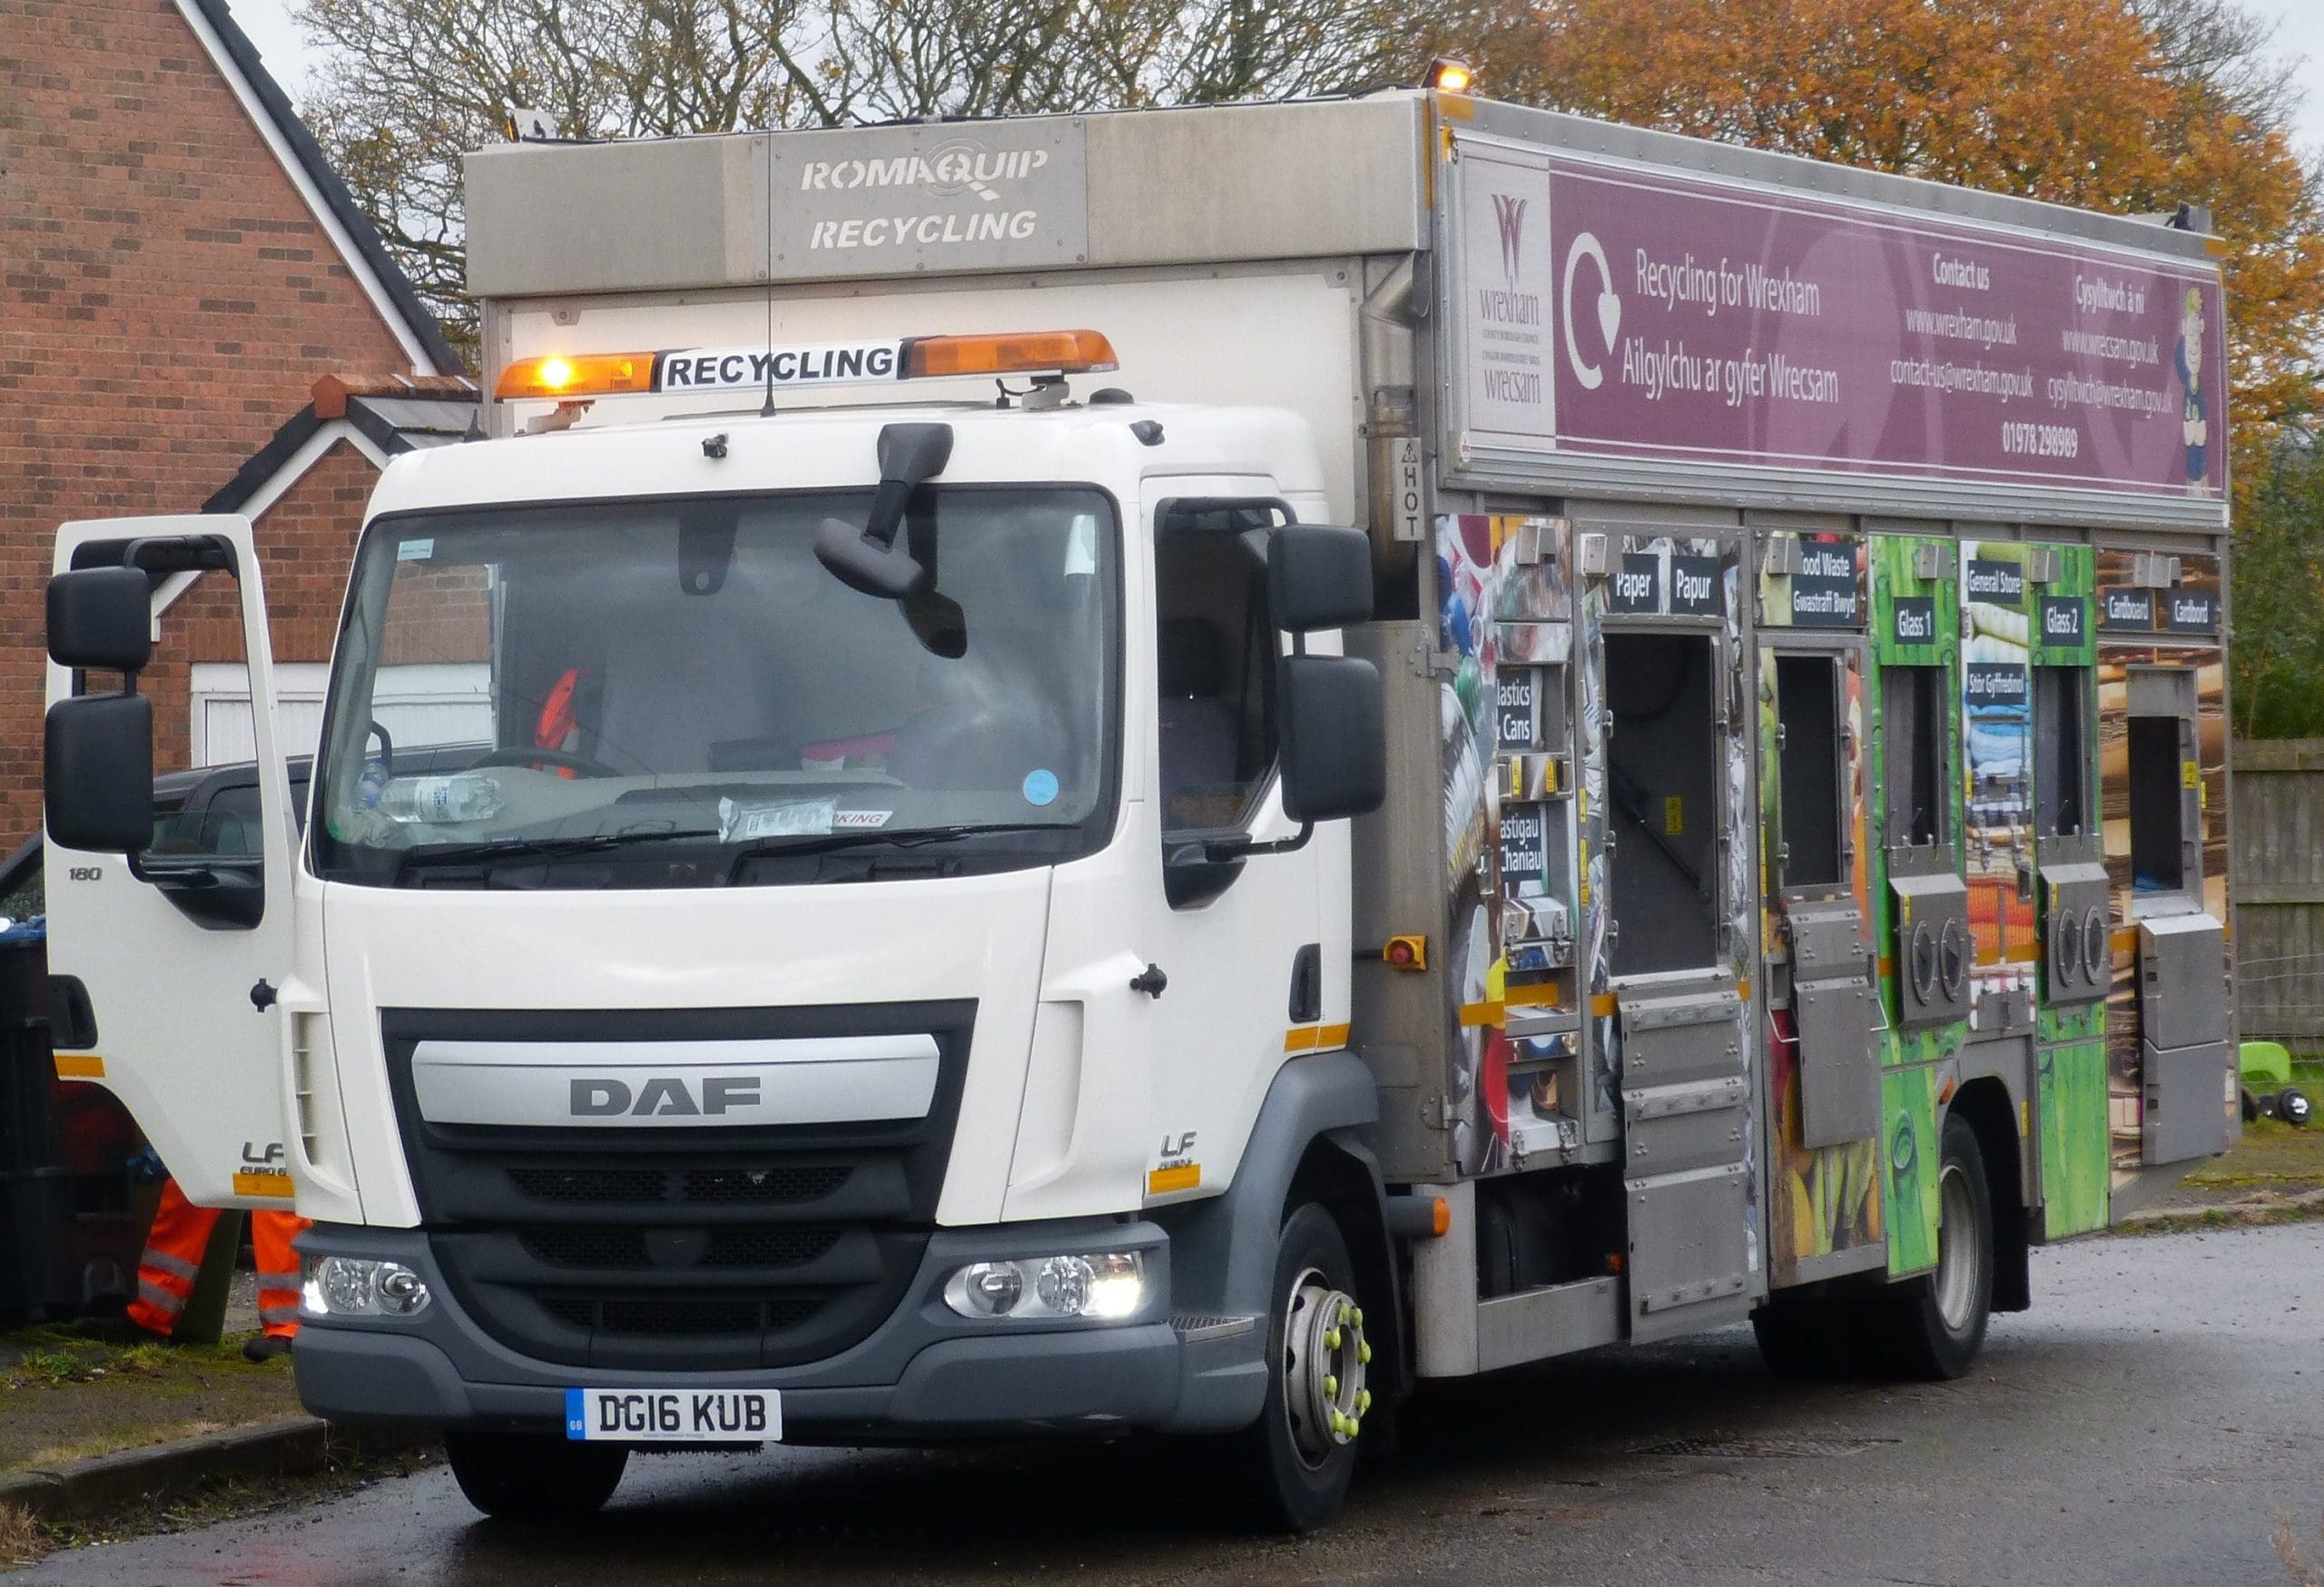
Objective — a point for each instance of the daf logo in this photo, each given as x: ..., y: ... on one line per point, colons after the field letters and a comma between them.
x: 663, y: 1097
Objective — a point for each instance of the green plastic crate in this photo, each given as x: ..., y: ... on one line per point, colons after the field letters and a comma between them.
x: 2266, y: 1064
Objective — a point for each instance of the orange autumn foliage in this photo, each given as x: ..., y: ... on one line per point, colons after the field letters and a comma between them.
x: 2064, y: 100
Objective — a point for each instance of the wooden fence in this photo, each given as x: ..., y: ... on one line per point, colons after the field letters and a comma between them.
x: 2276, y: 871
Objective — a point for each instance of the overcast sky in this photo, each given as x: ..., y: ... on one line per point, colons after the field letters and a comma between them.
x: 2300, y: 31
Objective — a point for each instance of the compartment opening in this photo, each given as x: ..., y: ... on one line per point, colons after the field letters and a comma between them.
x: 1911, y: 715
x: 1661, y: 797
x: 1808, y: 762
x: 2061, y: 755
x: 2158, y: 806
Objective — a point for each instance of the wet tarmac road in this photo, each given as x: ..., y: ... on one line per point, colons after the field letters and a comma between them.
x: 2145, y: 1424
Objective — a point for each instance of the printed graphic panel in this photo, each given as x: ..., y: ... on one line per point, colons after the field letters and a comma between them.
x: 1828, y: 1200
x: 1996, y: 704
x: 2073, y: 1101
x: 2174, y: 624
x: 1510, y: 840
x: 1911, y: 1154
x: 1916, y: 622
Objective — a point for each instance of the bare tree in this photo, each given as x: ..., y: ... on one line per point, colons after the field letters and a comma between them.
x: 404, y: 90
x: 2232, y: 51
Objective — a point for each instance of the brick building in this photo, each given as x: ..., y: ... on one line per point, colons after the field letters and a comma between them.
x: 180, y: 266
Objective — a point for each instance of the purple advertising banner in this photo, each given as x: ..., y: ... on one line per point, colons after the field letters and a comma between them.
x: 1614, y: 312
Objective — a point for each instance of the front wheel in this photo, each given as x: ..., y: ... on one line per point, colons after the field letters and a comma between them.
x: 1936, y: 1323
x: 1300, y: 1455
x: 535, y: 1476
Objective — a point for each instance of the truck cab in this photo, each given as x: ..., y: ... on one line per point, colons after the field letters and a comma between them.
x: 796, y: 986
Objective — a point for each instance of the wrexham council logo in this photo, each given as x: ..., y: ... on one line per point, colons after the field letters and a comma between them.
x: 1509, y: 210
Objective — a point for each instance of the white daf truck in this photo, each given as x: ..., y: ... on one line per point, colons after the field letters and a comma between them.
x: 935, y: 893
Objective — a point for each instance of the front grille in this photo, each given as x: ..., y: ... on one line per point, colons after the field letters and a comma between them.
x: 743, y: 1245
x: 674, y: 1248
x: 687, y: 1314
x: 590, y: 1184
x: 769, y: 1184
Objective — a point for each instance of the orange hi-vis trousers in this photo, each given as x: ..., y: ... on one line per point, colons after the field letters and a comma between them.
x: 165, y: 1274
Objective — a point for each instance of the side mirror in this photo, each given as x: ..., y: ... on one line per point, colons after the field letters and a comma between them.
x: 98, y: 779
x: 868, y: 558
x: 101, y: 618
x: 1318, y: 577
x: 1335, y: 734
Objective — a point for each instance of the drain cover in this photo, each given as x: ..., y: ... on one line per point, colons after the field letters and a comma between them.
x: 1807, y: 1448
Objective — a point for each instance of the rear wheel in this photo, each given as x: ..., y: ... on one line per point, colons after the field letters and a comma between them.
x: 534, y: 1477
x: 1299, y: 1456
x: 1934, y: 1325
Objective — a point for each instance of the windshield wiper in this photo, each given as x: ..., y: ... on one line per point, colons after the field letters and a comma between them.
x: 831, y: 842
x: 435, y: 854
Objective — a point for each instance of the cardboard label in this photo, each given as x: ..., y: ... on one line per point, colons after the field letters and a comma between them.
x: 2131, y: 609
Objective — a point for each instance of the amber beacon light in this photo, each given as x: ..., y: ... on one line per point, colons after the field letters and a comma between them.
x: 576, y: 374
x: 1064, y: 352
x: 1447, y: 75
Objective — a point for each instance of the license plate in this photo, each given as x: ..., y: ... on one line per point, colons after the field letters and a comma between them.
x: 661, y: 1416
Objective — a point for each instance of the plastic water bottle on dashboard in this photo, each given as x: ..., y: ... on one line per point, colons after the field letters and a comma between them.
x: 440, y: 800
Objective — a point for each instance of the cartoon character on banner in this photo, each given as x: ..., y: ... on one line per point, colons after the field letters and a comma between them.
x: 2188, y: 357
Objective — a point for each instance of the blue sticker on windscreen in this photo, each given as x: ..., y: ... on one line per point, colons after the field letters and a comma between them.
x: 1040, y: 787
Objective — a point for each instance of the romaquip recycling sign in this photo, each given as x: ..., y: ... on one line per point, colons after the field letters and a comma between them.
x: 1613, y: 312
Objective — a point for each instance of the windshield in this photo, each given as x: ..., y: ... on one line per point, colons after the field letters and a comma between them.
x: 676, y: 692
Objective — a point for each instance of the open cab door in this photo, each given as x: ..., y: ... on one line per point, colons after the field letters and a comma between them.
x: 165, y: 947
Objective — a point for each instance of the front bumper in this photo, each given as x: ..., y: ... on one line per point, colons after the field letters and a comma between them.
x: 924, y: 1373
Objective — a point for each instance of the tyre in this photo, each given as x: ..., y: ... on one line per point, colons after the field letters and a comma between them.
x: 2292, y: 1107
x: 1298, y: 1458
x: 2249, y: 1103
x: 1809, y: 1339
x: 534, y: 1477
x: 1932, y: 1326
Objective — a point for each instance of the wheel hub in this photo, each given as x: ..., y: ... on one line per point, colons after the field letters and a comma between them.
x: 1326, y: 1360
x: 1957, y: 1252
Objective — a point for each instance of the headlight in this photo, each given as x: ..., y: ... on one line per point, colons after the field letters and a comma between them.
x: 354, y: 1286
x: 1108, y: 1286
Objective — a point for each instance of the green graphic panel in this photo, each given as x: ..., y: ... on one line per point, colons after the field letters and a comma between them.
x: 2073, y: 1099
x: 1911, y: 1154
x: 2085, y: 1022
x: 1893, y: 579
x: 2074, y: 578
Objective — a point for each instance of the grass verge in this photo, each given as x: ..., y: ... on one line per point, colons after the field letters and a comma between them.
x: 63, y: 1396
